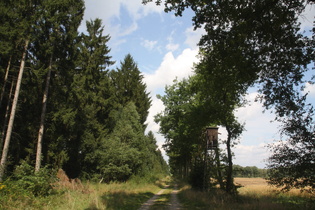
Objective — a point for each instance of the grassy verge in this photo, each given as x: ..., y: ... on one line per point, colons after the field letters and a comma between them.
x: 255, y: 194
x: 129, y: 195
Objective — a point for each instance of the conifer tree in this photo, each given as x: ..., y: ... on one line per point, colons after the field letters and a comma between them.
x: 24, y: 20
x: 52, y: 45
x: 88, y: 99
x: 129, y: 87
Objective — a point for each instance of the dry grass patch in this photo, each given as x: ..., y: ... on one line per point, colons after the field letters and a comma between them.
x: 255, y: 194
x: 259, y: 186
x: 252, y: 186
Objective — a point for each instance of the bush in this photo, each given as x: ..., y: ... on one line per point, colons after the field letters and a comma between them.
x: 38, y: 184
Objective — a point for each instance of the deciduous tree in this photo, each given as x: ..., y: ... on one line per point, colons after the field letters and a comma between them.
x: 259, y: 42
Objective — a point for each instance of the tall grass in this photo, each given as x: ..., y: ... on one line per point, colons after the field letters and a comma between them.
x: 255, y: 194
x: 128, y: 195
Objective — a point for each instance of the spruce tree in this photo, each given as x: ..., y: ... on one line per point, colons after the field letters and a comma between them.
x: 22, y: 15
x: 129, y: 85
x: 51, y: 46
x: 87, y: 100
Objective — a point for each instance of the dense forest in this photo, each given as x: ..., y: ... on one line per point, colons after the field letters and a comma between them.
x: 62, y: 106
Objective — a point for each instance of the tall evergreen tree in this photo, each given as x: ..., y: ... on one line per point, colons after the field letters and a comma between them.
x: 129, y: 86
x: 52, y: 30
x: 51, y: 46
x: 24, y: 21
x: 87, y: 98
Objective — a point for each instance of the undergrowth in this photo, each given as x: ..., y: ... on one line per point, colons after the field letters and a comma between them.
x: 28, y: 190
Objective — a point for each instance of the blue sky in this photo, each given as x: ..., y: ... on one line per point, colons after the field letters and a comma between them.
x: 165, y: 47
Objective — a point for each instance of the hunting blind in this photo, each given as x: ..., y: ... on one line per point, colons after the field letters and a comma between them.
x: 212, y: 137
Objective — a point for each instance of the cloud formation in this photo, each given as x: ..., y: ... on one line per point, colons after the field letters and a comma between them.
x: 109, y: 11
x: 193, y: 36
x: 170, y: 69
x: 251, y: 155
x: 309, y: 89
x: 149, y: 45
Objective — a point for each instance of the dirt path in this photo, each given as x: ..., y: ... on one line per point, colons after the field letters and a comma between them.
x: 174, y: 203
x: 151, y: 201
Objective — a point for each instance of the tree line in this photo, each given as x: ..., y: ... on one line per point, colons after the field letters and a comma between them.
x: 62, y: 106
x: 247, y: 43
x: 249, y: 171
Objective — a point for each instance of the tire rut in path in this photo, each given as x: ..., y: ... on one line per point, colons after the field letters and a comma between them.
x: 174, y: 203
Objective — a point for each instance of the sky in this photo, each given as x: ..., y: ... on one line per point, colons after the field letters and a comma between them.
x: 165, y: 48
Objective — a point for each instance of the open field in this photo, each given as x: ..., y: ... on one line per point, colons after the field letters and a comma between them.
x: 255, y: 194
x: 260, y: 187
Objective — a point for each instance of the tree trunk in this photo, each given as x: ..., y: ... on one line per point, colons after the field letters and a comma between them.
x: 5, y: 80
x: 229, y: 177
x: 6, y: 116
x: 219, y: 173
x: 42, y: 119
x: 12, y: 115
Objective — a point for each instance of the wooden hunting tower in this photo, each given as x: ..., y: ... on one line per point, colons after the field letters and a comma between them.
x: 212, y: 137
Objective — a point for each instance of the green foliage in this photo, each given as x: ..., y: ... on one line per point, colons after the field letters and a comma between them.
x: 197, y: 176
x: 25, y: 181
x: 180, y: 126
x: 258, y: 42
x: 249, y: 171
x: 94, y: 121
x: 129, y: 87
x: 125, y: 151
x: 189, y: 109
x: 291, y: 164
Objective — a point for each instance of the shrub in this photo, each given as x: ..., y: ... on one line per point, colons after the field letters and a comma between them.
x: 38, y: 184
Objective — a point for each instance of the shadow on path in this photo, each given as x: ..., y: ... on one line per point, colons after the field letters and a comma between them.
x: 158, y: 201
x: 122, y: 200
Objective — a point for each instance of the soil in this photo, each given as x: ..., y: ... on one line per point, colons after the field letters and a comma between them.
x: 174, y: 203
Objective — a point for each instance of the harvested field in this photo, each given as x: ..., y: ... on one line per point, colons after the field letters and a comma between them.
x: 247, y: 182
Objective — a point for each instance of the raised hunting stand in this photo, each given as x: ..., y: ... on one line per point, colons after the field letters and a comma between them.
x: 211, y: 138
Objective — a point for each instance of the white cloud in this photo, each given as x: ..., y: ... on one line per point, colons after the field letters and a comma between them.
x: 108, y: 10
x: 157, y: 107
x: 193, y: 36
x: 310, y: 89
x: 148, y: 44
x: 126, y: 31
x: 138, y: 10
x: 251, y: 155
x: 307, y: 17
x: 172, y: 47
x: 171, y: 68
